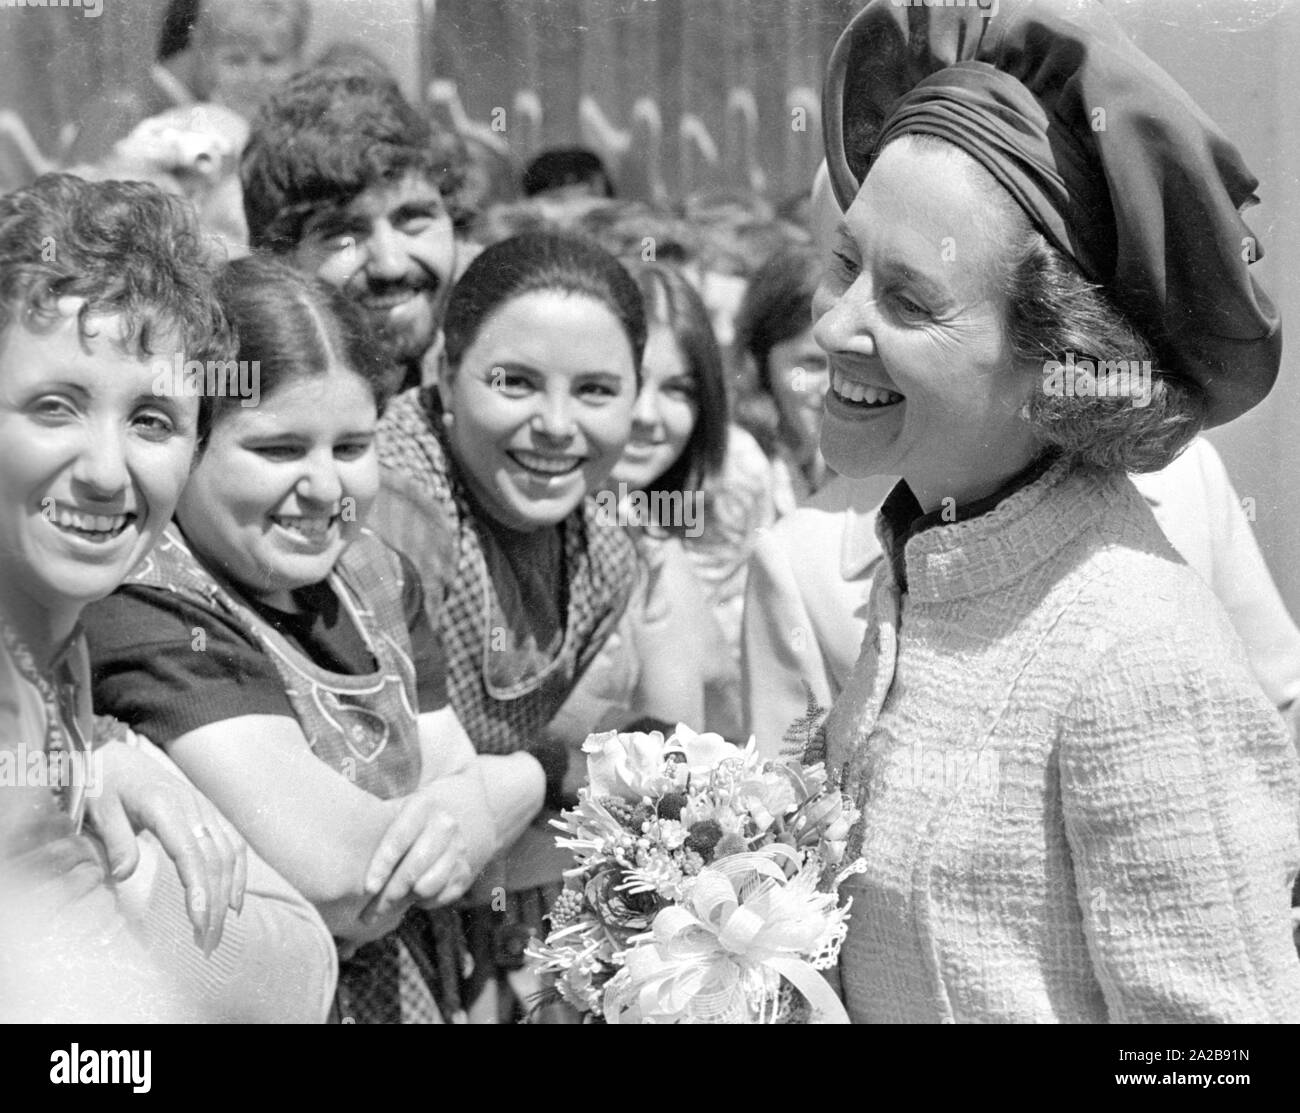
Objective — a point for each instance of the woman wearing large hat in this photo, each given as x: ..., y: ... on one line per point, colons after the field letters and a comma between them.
x: 1077, y: 803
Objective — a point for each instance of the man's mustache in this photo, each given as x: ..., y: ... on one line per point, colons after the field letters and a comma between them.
x: 427, y: 285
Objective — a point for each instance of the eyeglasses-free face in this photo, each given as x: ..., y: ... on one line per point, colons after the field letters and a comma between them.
x: 282, y: 488
x: 391, y: 249
x: 92, y: 461
x: 243, y: 52
x: 913, y: 318
x: 667, y: 408
x: 541, y: 406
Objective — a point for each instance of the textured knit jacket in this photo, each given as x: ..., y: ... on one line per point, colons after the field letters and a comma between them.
x: 1079, y: 806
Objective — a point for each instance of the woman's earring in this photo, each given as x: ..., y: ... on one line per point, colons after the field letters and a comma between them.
x: 448, y: 419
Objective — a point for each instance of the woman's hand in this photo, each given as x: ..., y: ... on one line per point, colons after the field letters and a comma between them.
x: 422, y: 859
x: 321, y: 832
x: 138, y: 794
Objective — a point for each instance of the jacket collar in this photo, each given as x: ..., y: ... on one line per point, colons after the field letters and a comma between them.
x: 993, y: 545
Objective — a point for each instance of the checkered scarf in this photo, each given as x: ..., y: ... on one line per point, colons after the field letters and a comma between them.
x: 410, y: 976
x: 599, y: 569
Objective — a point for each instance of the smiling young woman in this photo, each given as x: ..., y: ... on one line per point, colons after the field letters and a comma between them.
x: 96, y: 283
x: 487, y: 483
x: 77, y: 530
x: 668, y: 660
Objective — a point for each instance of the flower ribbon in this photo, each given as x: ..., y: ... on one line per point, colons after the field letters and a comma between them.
x: 744, y: 928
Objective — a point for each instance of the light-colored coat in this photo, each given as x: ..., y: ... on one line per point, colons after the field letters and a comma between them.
x: 1079, y: 806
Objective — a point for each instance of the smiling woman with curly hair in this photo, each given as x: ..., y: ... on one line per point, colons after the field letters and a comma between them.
x: 98, y: 284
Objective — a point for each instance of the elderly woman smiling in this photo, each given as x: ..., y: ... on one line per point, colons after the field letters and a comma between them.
x: 1078, y: 805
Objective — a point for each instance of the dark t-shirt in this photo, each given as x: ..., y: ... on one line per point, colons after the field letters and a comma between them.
x: 167, y: 665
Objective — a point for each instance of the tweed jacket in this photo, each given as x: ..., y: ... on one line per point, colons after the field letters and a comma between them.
x: 1078, y: 804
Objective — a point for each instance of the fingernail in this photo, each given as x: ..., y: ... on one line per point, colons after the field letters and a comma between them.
x: 199, y: 940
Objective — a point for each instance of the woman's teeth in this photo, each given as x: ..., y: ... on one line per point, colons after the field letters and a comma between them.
x: 860, y: 394
x: 547, y: 465
x: 314, y: 529
x: 96, y: 527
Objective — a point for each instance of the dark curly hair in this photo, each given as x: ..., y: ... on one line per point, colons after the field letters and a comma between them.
x: 329, y: 134
x: 126, y: 248
x: 534, y: 262
x: 291, y: 324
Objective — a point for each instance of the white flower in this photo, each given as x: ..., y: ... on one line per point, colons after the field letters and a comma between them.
x: 702, y: 751
x: 671, y: 833
x: 629, y: 766
x: 657, y: 873
x: 633, y: 766
x: 766, y: 796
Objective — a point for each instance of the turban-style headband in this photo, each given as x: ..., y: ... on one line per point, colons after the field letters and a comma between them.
x: 1105, y: 154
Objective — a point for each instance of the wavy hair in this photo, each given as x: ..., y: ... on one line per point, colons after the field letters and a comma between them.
x: 1053, y: 312
x: 126, y: 249
x: 324, y: 138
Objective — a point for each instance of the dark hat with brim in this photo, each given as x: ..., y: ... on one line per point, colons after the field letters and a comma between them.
x: 1108, y: 157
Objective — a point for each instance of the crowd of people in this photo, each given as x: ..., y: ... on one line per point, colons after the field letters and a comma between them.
x: 526, y: 461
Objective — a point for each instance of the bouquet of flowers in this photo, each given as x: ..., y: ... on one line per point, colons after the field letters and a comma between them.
x: 705, y: 888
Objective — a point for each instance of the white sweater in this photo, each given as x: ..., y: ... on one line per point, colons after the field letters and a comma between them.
x: 1079, y: 805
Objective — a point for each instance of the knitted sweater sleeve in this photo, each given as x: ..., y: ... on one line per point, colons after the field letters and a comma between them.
x: 1181, y: 800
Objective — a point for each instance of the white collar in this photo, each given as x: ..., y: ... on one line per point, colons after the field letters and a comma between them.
x: 859, y: 499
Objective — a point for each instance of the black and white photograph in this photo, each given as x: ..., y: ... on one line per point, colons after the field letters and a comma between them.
x: 650, y: 512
